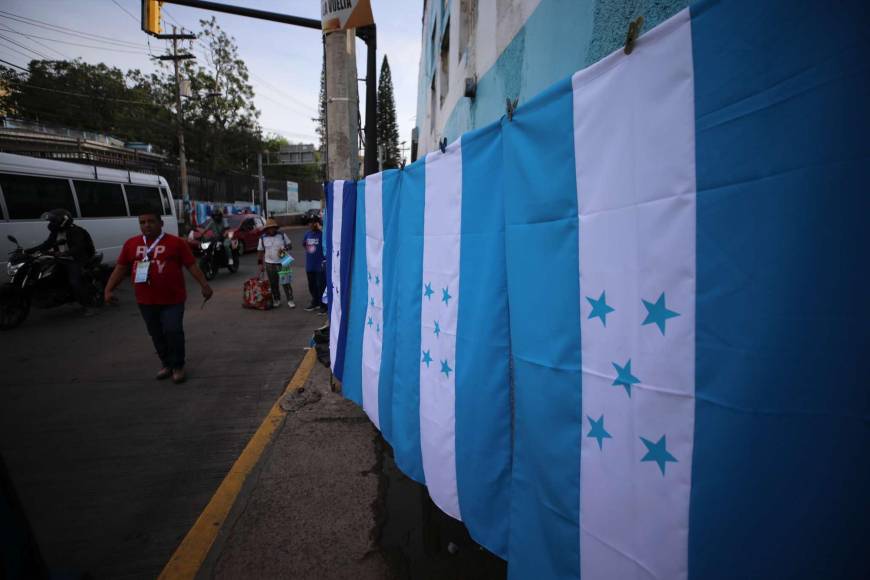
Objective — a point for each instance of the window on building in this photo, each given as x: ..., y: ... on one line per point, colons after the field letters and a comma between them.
x: 445, y: 63
x: 98, y: 199
x: 466, y: 25
x: 143, y: 199
x: 27, y: 198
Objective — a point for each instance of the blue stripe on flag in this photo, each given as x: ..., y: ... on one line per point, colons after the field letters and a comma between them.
x: 390, y: 212
x: 344, y: 255
x: 483, y: 389
x: 408, y: 289
x: 542, y: 258
x: 780, y: 458
x: 351, y: 385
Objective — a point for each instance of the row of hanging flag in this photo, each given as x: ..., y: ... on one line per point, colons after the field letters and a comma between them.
x: 618, y: 334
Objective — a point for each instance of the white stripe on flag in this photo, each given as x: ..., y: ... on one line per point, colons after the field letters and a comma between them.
x: 634, y: 139
x: 442, y: 225
x: 335, y: 250
x: 374, y: 319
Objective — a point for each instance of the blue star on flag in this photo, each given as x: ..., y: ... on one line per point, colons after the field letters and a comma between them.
x: 370, y: 321
x: 600, y: 308
x: 624, y: 376
x: 658, y: 313
x: 372, y: 301
x: 658, y: 452
x: 427, y: 358
x: 377, y: 279
x: 597, y: 431
x: 437, y: 329
x: 370, y: 276
x: 445, y: 368
x: 428, y: 291
x: 445, y: 296
x: 378, y: 328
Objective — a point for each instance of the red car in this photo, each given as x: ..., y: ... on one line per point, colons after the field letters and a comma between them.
x: 244, y: 228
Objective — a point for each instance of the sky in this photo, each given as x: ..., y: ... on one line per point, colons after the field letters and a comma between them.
x: 284, y: 61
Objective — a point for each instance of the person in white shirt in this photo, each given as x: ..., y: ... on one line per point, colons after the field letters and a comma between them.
x: 272, y: 247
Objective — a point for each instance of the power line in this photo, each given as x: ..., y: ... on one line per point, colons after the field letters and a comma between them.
x: 127, y: 101
x: 15, y: 50
x: 14, y: 65
x: 125, y: 10
x: 64, y: 30
x: 108, y: 48
x: 36, y: 52
x: 35, y: 41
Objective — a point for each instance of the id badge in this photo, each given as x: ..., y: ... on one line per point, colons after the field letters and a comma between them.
x: 142, y: 271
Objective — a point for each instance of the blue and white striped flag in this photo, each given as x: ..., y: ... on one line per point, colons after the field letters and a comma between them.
x: 338, y: 237
x: 695, y: 411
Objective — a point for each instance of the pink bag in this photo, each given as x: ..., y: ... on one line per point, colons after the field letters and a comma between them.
x: 257, y: 293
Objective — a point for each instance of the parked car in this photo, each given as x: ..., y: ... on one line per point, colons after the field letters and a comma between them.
x: 244, y: 228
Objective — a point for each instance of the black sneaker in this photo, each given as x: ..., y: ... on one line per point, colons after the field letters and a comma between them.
x: 309, y: 308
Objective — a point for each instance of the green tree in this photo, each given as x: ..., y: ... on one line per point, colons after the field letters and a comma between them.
x: 388, y: 128
x: 320, y: 129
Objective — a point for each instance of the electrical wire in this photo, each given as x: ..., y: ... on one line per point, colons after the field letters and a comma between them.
x: 12, y: 64
x: 107, y: 48
x: 9, y: 30
x: 69, y: 31
x: 36, y: 52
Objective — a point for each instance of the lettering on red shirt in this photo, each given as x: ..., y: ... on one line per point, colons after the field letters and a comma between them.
x: 165, y: 275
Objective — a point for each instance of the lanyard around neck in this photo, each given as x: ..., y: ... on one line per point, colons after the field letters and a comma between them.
x: 152, y: 246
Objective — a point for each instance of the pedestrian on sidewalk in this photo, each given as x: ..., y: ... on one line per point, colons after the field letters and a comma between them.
x: 155, y: 259
x: 315, y: 265
x: 272, y: 249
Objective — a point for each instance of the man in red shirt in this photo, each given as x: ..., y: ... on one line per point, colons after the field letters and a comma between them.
x: 155, y: 260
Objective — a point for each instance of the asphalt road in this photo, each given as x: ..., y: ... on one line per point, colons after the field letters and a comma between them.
x: 113, y: 467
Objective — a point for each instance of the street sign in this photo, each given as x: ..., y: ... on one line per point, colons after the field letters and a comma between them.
x: 344, y: 14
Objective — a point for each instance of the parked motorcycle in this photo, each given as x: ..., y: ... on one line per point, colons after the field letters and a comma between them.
x: 38, y: 280
x: 213, y: 257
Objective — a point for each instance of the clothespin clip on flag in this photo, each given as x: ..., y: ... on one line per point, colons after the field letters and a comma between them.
x: 633, y: 32
x: 511, y: 107
x: 443, y: 145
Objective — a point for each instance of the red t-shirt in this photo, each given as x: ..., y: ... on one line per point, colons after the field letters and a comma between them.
x: 165, y: 278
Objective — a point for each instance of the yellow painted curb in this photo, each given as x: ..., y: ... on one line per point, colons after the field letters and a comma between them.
x: 191, y: 553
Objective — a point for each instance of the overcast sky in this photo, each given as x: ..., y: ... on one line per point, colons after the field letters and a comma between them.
x: 284, y: 61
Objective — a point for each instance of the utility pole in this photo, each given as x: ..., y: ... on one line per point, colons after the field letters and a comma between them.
x: 179, y: 115
x: 260, y: 183
x: 342, y: 105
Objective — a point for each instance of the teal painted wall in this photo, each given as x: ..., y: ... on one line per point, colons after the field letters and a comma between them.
x: 559, y: 38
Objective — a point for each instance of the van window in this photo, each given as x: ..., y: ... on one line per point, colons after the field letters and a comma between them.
x: 143, y: 199
x: 98, y: 199
x: 29, y: 197
x: 165, y: 198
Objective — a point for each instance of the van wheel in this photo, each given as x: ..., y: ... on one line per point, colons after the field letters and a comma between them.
x: 14, y: 309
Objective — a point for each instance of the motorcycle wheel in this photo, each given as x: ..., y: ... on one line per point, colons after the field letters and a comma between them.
x: 241, y: 248
x: 207, y: 268
x: 234, y: 267
x: 14, y: 309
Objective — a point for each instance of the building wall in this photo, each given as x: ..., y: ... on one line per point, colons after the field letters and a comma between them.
x: 516, y: 49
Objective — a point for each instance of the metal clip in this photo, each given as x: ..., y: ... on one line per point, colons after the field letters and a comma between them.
x: 511, y: 107
x: 633, y: 32
x: 443, y: 145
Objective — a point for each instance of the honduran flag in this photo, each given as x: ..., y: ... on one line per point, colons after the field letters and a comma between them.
x: 428, y: 345
x: 338, y: 245
x: 686, y: 251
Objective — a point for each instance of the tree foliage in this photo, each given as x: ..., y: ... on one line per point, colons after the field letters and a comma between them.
x: 220, y: 119
x: 388, y: 127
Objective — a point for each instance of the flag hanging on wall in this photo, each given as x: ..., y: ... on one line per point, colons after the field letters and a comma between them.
x: 619, y: 334
x: 340, y: 226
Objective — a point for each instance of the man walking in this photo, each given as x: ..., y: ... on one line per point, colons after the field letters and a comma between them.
x: 155, y: 259
x: 272, y: 248
x: 315, y: 265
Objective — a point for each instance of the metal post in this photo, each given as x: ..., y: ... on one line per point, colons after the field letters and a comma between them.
x: 370, y: 36
x: 260, y: 183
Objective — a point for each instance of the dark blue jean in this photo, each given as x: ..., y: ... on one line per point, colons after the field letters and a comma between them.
x: 165, y: 323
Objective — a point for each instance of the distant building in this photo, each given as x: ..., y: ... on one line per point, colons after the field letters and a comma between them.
x: 478, y: 53
x: 293, y: 154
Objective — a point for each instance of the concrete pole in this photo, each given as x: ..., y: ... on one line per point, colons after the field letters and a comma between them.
x: 179, y: 117
x: 342, y: 106
x: 260, y: 183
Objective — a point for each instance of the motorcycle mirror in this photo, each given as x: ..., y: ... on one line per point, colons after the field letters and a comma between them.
x: 12, y: 239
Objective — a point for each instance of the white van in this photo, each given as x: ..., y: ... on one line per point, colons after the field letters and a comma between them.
x: 106, y: 202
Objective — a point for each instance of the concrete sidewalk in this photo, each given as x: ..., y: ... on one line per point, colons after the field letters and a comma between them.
x: 325, y: 501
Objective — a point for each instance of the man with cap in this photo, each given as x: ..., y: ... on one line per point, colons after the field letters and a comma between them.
x: 272, y: 248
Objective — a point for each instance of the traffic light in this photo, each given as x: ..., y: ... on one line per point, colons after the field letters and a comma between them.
x: 151, y: 17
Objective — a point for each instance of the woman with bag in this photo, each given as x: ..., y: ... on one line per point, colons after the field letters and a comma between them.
x: 274, y: 256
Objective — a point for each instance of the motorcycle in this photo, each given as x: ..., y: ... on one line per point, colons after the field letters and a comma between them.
x: 38, y: 280
x: 213, y: 256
